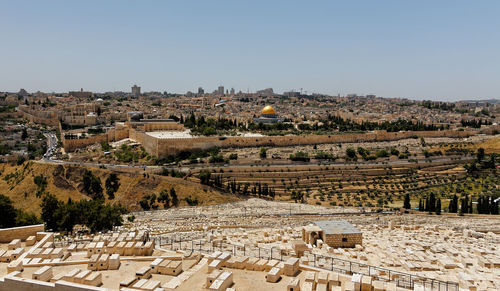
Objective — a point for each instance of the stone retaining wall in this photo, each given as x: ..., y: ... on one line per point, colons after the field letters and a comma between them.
x: 21, y: 232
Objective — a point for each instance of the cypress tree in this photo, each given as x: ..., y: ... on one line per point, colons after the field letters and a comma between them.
x: 432, y: 202
x: 438, y: 206
x: 494, y: 207
x: 455, y: 204
x: 470, y: 206
x: 420, y: 206
x: 461, y: 210
x: 407, y: 204
x: 486, y: 205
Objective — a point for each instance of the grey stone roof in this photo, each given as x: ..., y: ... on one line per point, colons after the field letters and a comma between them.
x: 336, y: 227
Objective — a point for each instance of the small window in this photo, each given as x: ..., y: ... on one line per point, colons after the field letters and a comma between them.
x: 344, y: 239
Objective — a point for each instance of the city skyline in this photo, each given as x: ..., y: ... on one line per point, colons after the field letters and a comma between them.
x: 439, y: 51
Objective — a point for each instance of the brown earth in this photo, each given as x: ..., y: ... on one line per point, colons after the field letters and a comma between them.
x: 490, y: 146
x: 64, y: 181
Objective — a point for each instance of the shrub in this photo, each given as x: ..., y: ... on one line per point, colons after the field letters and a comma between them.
x: 350, y: 153
x: 300, y: 156
x: 382, y: 154
x: 263, y: 153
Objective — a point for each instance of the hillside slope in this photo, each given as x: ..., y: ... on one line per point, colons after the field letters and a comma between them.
x: 490, y: 146
x: 17, y: 182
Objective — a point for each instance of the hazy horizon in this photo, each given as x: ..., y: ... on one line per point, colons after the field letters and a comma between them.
x: 425, y: 50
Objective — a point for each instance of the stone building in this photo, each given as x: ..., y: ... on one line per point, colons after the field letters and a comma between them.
x: 335, y: 233
x: 268, y: 115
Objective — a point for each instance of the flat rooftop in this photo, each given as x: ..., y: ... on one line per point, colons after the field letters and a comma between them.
x: 167, y: 134
x: 337, y: 227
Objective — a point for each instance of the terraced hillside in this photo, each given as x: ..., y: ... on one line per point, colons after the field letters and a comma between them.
x: 362, y: 184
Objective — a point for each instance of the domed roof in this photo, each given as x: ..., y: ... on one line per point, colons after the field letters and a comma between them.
x: 268, y: 110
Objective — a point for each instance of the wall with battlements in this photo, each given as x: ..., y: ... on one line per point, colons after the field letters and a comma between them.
x: 170, y: 146
x: 33, y: 117
x: 165, y: 147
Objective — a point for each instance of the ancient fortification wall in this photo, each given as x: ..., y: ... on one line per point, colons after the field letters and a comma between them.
x: 164, y: 147
x: 167, y: 147
x: 149, y: 143
x: 159, y: 126
x: 31, y: 116
x: 109, y: 136
x: 21, y: 232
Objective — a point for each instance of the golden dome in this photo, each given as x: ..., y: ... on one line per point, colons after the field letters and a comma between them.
x: 268, y: 110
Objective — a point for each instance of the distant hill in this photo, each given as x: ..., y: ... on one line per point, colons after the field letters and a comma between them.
x: 492, y: 101
x: 17, y: 182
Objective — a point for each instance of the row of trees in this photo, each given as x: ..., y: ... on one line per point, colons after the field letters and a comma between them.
x: 352, y: 154
x: 333, y: 122
x: 485, y: 204
x: 167, y: 198
x: 92, y: 185
x: 474, y: 123
x: 256, y: 189
x: 11, y: 217
x: 95, y: 214
x: 430, y: 204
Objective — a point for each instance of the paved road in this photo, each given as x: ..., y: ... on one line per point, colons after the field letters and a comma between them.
x: 51, y: 145
x: 46, y: 160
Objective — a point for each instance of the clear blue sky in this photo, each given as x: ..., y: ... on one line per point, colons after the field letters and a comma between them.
x: 441, y: 50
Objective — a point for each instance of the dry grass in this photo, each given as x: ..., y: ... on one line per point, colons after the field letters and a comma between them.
x: 490, y: 146
x: 65, y: 182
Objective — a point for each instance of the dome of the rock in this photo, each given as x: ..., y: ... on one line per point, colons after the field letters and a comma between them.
x: 268, y: 110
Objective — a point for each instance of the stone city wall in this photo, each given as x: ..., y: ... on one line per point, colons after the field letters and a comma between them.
x: 159, y: 126
x: 33, y: 118
x: 109, y: 136
x: 165, y: 147
x: 149, y: 143
x: 170, y: 146
x: 21, y: 232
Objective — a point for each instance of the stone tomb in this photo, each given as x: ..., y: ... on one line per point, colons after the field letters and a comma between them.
x: 291, y: 267
x: 274, y: 275
x: 43, y: 274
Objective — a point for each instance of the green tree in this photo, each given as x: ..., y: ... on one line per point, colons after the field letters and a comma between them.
x: 350, y: 153
x: 205, y: 177
x: 453, y: 207
x: 480, y: 154
x: 92, y: 185
x: 438, y: 206
x: 41, y: 183
x: 263, y: 153
x: 24, y: 218
x: 432, y: 202
x: 173, y: 196
x: 407, y: 204
x: 24, y: 134
x: 112, y: 185
x: 8, y: 212
x: 50, y: 206
x: 164, y: 198
x: 105, y: 146
x: 144, y: 202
